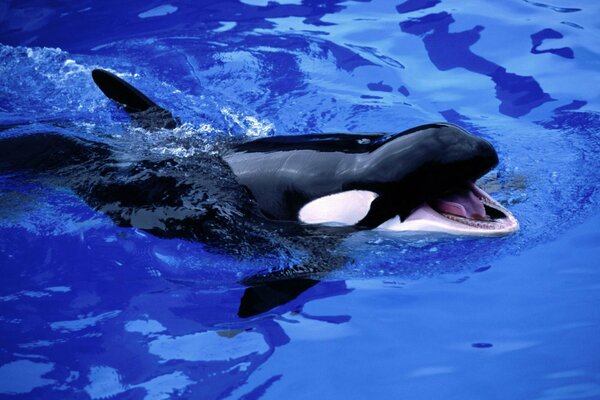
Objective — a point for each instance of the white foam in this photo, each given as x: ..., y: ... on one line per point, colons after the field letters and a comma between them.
x: 252, y: 126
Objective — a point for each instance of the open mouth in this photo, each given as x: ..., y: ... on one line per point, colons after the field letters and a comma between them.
x: 473, y: 207
x: 468, y: 211
x: 465, y: 211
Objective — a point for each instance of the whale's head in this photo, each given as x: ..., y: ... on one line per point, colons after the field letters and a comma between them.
x: 421, y: 180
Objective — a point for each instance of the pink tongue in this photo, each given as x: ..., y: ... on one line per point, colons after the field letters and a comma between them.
x: 463, y: 204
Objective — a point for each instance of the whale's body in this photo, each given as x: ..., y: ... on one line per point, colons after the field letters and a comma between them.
x: 277, y: 194
x: 389, y: 182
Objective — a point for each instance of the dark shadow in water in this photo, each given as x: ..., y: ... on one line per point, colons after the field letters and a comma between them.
x: 415, y: 5
x: 572, y: 106
x: 538, y: 38
x: 199, y: 18
x: 553, y: 8
x: 518, y: 94
x: 260, y: 390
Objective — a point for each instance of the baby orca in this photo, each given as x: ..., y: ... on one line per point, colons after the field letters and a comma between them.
x: 419, y: 180
x: 276, y: 195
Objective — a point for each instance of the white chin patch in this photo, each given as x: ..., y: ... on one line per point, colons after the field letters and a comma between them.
x: 344, y: 208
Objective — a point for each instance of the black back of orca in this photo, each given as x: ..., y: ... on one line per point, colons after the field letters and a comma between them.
x: 286, y: 173
x: 405, y: 169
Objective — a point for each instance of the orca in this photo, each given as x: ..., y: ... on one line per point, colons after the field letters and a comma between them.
x: 419, y: 180
x: 273, y: 195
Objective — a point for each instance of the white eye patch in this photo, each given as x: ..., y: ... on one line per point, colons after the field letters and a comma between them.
x: 344, y: 208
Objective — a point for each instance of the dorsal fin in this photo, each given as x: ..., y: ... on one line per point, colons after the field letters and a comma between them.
x: 144, y: 112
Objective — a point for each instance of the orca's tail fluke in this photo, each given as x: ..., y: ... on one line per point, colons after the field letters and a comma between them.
x: 143, y: 111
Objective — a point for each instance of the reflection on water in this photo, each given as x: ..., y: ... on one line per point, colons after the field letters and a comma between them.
x: 22, y: 376
x: 447, y: 50
x: 163, y: 340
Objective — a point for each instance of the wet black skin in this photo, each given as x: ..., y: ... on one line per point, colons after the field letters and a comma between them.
x: 406, y: 169
x: 285, y: 173
x: 246, y: 202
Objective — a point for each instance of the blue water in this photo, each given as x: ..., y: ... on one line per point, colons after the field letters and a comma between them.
x: 91, y: 310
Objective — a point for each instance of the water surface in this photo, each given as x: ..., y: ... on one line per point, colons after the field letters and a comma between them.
x: 91, y: 310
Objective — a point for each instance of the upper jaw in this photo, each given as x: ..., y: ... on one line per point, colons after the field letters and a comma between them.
x: 497, y: 221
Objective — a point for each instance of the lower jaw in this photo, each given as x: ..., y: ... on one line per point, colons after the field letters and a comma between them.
x: 426, y: 220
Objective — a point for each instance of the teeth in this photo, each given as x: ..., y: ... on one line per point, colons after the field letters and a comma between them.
x: 491, y: 203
